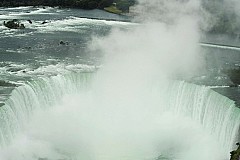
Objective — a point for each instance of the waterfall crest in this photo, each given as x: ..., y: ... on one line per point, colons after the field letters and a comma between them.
x: 34, y: 95
x: 217, y: 114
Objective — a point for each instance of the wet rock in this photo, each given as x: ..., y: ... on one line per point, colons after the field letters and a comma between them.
x: 234, y: 75
x: 28, y: 48
x: 14, y: 69
x: 29, y: 21
x: 63, y: 43
x: 14, y: 24
x: 235, y: 155
x: 44, y: 22
x: 21, y: 26
x: 6, y: 84
x: 233, y: 85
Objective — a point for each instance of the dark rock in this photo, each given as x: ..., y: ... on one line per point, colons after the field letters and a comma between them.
x: 28, y: 48
x: 6, y: 84
x: 29, y: 21
x: 234, y: 75
x: 235, y: 155
x: 14, y: 24
x: 62, y: 43
x: 14, y: 69
x: 233, y: 85
x: 21, y: 26
x: 44, y: 22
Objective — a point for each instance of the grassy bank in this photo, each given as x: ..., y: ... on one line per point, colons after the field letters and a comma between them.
x: 113, y: 9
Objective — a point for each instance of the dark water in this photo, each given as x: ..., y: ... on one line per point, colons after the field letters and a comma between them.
x: 36, y: 51
x: 221, y: 60
x: 61, y: 46
x: 38, y: 47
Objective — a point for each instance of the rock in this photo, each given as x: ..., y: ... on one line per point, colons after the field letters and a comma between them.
x: 28, y: 48
x: 234, y: 75
x: 44, y: 22
x: 62, y: 43
x: 6, y: 84
x: 235, y: 155
x: 233, y: 85
x: 29, y: 21
x: 21, y: 26
x: 14, y: 24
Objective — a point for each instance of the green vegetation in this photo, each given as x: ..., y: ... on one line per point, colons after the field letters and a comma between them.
x: 124, y: 5
x: 113, y: 9
x: 120, y: 6
x: 83, y: 4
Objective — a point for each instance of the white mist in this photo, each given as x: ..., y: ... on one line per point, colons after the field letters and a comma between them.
x: 125, y: 114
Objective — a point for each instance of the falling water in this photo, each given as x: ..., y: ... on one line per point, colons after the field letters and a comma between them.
x: 132, y: 108
x: 102, y: 118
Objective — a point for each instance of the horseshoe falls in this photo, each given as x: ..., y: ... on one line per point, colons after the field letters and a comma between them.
x: 101, y: 88
x: 169, y: 121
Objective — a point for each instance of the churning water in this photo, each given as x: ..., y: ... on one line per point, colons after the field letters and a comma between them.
x: 132, y: 107
x: 172, y: 120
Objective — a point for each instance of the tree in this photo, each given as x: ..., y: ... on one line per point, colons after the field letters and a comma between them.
x: 105, y: 3
x: 123, y: 5
x: 92, y: 5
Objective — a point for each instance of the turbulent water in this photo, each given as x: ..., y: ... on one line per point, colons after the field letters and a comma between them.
x: 66, y: 102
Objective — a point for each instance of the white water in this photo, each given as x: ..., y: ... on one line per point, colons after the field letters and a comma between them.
x: 174, y: 118
x: 130, y: 109
x: 220, y: 46
x: 35, y: 95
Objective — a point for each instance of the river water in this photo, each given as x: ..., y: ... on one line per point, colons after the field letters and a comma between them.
x: 61, y: 99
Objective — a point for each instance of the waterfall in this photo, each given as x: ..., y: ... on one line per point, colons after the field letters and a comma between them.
x: 217, y: 114
x: 34, y: 95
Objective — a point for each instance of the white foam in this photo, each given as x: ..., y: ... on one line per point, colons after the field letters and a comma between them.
x: 220, y: 46
x: 73, y: 24
x: 17, y: 8
x: 38, y: 11
x: 108, y: 22
x: 60, y: 69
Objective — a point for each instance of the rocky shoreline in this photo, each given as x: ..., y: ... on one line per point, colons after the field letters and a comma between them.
x: 235, y: 155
